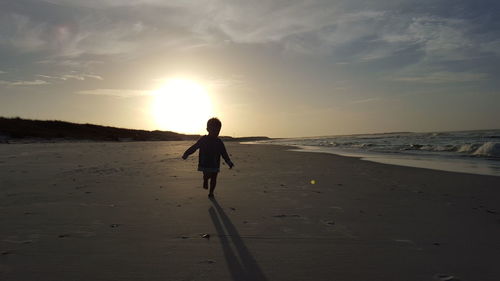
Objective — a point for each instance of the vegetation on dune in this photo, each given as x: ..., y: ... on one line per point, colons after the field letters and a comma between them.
x: 26, y: 129
x: 17, y: 128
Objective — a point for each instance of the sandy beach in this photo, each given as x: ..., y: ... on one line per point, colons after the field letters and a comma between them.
x: 136, y: 211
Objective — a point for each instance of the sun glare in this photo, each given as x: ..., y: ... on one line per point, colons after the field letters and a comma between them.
x: 182, y: 106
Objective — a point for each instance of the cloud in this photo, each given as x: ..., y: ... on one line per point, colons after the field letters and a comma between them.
x: 443, y: 77
x: 121, y: 93
x: 65, y: 77
x: 492, y: 47
x: 24, y: 83
x: 113, y: 28
x: 226, y: 82
x: 67, y: 29
x: 110, y: 28
x: 442, y: 38
x: 2, y: 72
x: 367, y: 100
x: 21, y: 33
x: 91, y: 35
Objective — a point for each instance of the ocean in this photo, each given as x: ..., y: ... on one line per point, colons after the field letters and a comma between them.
x: 476, y: 152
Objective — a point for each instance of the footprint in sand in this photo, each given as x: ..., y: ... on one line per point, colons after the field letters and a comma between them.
x: 286, y: 216
x: 445, y: 277
x: 407, y: 241
x: 18, y: 241
x: 329, y: 222
x: 208, y: 261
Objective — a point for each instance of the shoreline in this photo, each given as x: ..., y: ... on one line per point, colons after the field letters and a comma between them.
x: 475, y: 166
x: 136, y: 211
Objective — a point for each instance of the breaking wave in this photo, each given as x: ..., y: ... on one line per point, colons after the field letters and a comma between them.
x: 489, y: 149
x: 482, y: 144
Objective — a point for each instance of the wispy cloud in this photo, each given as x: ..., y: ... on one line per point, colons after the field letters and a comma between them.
x: 443, y: 77
x: 65, y: 77
x: 66, y: 29
x: 21, y: 33
x: 24, y: 83
x: 107, y: 28
x: 120, y: 93
x: 229, y: 82
x: 441, y: 38
x: 367, y: 100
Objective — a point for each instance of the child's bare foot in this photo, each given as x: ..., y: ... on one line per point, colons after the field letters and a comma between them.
x: 205, y: 186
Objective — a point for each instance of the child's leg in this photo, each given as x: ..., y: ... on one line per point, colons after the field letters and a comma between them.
x: 206, y: 176
x: 213, y: 182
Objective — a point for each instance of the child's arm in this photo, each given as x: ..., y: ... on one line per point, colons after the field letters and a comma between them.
x: 226, y: 156
x: 191, y: 150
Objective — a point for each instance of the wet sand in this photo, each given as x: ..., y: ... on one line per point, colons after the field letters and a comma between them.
x: 136, y: 211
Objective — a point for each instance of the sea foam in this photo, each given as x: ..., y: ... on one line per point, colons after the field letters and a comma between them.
x: 464, y: 151
x: 489, y: 149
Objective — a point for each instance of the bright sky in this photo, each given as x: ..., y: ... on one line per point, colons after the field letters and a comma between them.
x: 276, y: 68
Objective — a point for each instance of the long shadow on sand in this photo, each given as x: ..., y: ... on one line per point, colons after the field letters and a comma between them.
x: 240, y: 261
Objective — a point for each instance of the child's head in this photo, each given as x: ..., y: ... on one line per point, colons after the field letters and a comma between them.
x: 213, y: 126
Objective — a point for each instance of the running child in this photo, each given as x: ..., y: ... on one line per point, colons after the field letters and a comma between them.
x: 211, y: 149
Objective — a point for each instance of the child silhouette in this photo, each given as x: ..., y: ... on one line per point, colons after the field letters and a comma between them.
x: 211, y: 149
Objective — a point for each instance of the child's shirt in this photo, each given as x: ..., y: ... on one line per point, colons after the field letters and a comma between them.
x: 211, y: 149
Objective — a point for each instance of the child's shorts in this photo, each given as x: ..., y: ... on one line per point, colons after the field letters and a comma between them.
x: 208, y: 170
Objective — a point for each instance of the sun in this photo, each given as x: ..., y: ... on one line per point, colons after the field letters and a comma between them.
x: 182, y: 106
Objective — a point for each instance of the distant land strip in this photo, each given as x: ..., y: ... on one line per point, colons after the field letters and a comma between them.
x: 25, y: 130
